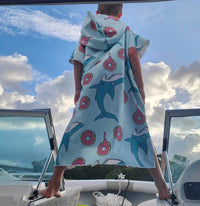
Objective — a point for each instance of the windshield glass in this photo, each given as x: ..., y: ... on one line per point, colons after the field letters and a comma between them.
x: 184, y: 143
x: 24, y: 148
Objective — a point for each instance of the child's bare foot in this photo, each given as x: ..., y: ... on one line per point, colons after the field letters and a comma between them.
x: 51, y: 190
x: 163, y: 191
x: 54, y: 183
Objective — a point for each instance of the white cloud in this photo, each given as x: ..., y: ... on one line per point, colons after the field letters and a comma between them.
x: 12, y: 100
x: 6, y: 29
x: 190, y: 144
x: 8, y: 163
x: 158, y: 88
x: 187, y: 79
x: 58, y: 95
x: 1, y: 90
x: 21, y: 123
x: 61, y: 86
x: 14, y: 70
x: 28, y: 21
x: 185, y: 125
x: 58, y: 12
x: 164, y: 90
x: 74, y: 15
x: 39, y: 141
x: 196, y: 149
x: 190, y: 76
x: 40, y: 76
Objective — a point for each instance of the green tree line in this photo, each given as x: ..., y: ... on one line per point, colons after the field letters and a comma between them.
x: 107, y: 172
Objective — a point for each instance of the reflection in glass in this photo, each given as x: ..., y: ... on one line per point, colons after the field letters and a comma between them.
x: 24, y: 148
x: 184, y: 143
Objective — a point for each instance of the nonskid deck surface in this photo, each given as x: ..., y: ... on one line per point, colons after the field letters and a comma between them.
x: 136, y: 198
x: 137, y: 191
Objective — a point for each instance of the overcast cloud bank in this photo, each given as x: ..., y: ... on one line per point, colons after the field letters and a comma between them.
x: 164, y: 90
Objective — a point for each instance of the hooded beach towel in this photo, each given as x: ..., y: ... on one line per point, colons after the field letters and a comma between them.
x: 108, y: 124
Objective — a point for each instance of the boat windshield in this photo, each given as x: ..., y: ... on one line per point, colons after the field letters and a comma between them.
x: 184, y: 143
x: 24, y: 148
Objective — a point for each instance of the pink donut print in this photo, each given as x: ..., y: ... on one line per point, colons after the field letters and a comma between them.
x: 88, y: 137
x: 109, y: 31
x: 118, y: 133
x: 79, y: 161
x: 109, y: 64
x: 121, y: 53
x: 84, y: 102
x: 93, y: 25
x: 87, y: 78
x: 104, y: 147
x: 84, y: 40
x: 125, y: 97
x: 138, y: 117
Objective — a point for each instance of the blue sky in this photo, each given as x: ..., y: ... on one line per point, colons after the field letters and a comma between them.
x: 37, y: 41
x: 172, y: 28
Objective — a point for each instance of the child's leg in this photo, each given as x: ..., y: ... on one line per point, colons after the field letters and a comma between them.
x: 160, y: 183
x: 54, y: 183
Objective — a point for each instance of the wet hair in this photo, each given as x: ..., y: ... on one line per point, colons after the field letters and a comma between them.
x: 110, y: 9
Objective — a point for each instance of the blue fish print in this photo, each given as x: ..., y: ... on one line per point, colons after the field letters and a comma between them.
x: 75, y: 126
x: 88, y: 60
x: 138, y: 140
x: 106, y: 86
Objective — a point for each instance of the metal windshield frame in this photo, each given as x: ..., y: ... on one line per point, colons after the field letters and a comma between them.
x: 41, y: 113
x: 175, y: 113
x: 165, y: 165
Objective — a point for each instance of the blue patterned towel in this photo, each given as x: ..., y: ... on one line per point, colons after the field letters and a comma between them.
x: 108, y: 125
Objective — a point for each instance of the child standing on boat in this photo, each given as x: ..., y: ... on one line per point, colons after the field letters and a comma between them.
x: 108, y: 125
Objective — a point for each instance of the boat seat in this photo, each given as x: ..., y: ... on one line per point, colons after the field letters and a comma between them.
x: 190, y: 177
